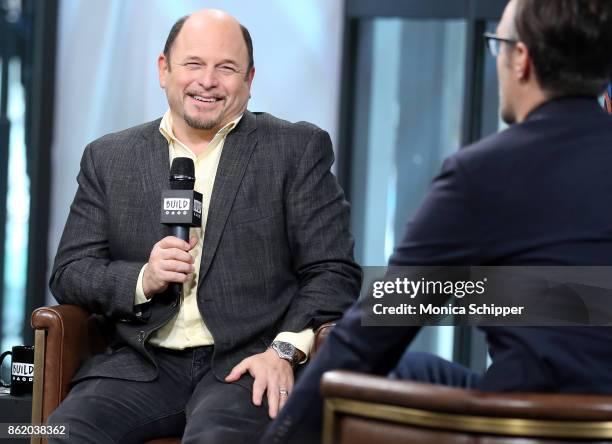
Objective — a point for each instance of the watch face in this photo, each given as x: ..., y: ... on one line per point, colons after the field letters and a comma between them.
x: 285, y: 349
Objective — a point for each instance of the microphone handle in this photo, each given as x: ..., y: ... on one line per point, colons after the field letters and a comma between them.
x: 182, y: 232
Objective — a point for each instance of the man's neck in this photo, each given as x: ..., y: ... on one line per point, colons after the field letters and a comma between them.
x: 531, y: 99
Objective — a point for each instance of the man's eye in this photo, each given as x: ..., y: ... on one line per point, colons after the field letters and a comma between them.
x: 228, y: 69
x: 193, y: 65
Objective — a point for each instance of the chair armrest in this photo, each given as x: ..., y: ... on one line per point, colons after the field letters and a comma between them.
x: 436, y: 398
x: 71, y: 338
x: 320, y: 336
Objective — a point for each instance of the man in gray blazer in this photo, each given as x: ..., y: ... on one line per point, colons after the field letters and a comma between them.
x: 272, y: 261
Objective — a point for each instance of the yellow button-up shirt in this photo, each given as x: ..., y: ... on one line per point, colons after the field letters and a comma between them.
x: 187, y: 328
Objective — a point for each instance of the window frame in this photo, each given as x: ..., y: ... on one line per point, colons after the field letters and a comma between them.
x: 469, y: 344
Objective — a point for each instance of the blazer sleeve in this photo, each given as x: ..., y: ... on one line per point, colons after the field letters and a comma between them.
x: 320, y: 241
x: 84, y: 273
x: 446, y: 229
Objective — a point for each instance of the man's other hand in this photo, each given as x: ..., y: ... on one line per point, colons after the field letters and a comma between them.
x: 272, y: 375
x: 169, y: 261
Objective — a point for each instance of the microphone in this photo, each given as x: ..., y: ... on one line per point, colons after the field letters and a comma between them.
x: 182, y: 177
x: 181, y: 205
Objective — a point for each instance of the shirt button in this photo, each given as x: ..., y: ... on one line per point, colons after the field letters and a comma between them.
x: 141, y: 336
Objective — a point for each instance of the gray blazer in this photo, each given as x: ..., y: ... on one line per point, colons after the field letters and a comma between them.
x: 277, y: 255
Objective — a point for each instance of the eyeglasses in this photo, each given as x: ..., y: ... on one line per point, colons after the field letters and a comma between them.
x: 493, y: 43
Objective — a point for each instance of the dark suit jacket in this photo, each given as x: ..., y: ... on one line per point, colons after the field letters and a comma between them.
x: 277, y: 255
x: 538, y: 193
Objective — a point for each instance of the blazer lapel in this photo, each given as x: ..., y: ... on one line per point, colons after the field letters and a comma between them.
x: 235, y: 156
x: 154, y: 170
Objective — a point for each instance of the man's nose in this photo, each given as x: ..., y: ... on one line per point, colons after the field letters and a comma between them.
x: 209, y: 78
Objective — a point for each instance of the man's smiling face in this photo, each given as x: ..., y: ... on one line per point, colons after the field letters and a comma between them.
x: 206, y: 76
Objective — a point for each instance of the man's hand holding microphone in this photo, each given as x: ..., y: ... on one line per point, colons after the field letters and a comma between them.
x: 170, y: 262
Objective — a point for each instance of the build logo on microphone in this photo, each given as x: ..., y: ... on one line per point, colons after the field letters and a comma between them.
x: 174, y: 205
x: 181, y: 207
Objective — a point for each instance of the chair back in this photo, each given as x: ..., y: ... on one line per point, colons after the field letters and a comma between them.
x: 366, y: 409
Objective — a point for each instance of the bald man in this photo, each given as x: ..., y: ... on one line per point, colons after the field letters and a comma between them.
x: 272, y: 260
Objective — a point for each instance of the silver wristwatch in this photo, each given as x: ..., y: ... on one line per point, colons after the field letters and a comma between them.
x: 285, y: 351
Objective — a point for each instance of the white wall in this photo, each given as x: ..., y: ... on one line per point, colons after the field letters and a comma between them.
x: 107, y: 75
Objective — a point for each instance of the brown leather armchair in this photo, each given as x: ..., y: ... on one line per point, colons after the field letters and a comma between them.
x: 65, y: 336
x: 370, y: 409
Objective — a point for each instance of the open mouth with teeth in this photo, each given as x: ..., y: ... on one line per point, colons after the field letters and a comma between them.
x: 205, y: 99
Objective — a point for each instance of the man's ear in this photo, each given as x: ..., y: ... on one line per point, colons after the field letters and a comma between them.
x: 162, y: 68
x: 250, y: 76
x: 522, y: 64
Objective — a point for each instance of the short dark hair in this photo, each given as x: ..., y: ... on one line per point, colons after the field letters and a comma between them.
x: 249, y: 44
x: 178, y: 25
x: 570, y: 42
x: 174, y: 31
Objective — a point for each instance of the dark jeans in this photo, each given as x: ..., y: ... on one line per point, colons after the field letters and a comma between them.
x: 185, y: 399
x: 425, y: 367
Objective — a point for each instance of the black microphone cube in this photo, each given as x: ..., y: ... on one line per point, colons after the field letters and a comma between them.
x: 181, y: 207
